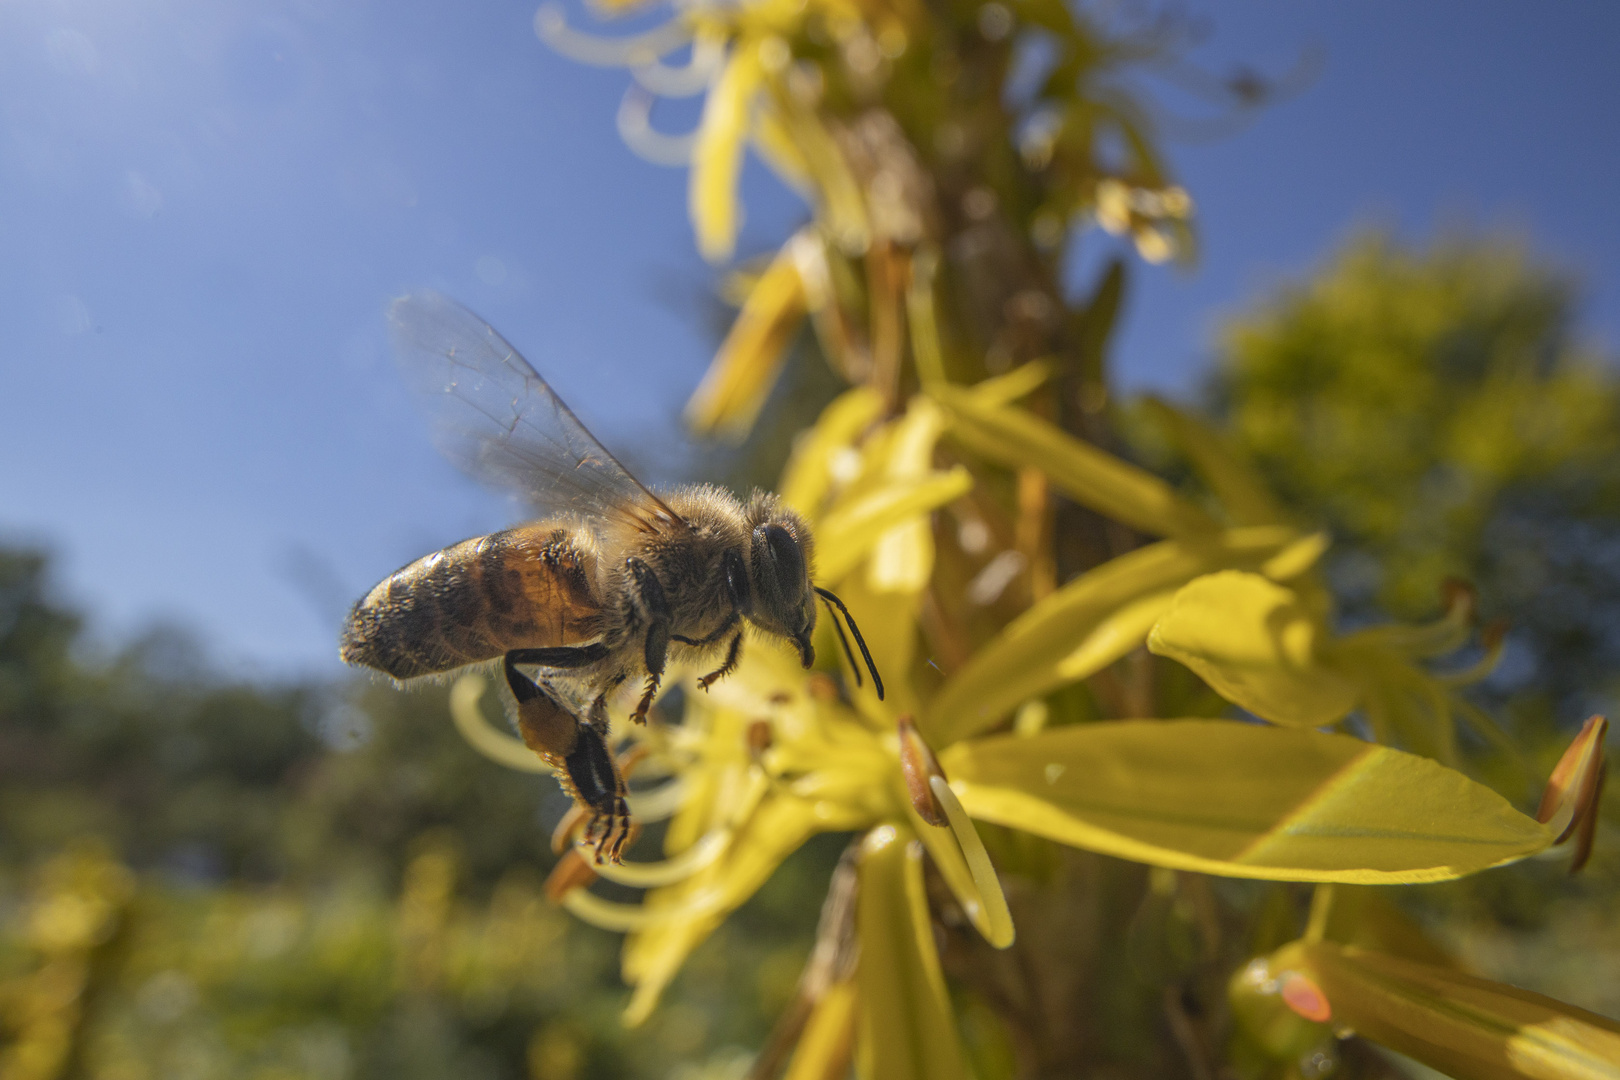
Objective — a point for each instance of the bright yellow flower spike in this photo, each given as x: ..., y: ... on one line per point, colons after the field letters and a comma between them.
x: 744, y: 370
x: 1256, y: 644
x: 1457, y: 1023
x: 1243, y: 800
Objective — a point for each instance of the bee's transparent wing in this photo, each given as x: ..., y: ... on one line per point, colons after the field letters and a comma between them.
x: 498, y: 420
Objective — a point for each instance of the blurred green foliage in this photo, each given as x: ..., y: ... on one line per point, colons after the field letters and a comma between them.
x: 326, y: 883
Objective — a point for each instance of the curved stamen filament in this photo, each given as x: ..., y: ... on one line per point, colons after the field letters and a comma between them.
x: 992, y: 918
x: 708, y: 51
x: 551, y: 26
x: 650, y: 144
x: 669, y: 871
x: 628, y: 918
x: 499, y: 747
x: 659, y: 803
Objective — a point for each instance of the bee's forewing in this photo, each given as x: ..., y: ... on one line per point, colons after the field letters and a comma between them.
x: 498, y: 420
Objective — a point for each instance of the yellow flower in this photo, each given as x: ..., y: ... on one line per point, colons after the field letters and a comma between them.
x: 774, y: 755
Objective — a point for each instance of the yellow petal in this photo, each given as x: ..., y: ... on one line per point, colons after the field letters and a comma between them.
x: 902, y: 558
x: 1255, y: 643
x: 904, y: 1029
x: 1456, y: 1023
x: 653, y: 955
x: 1092, y: 477
x: 850, y: 530
x: 717, y: 157
x: 1243, y: 800
x: 1021, y: 381
x: 1083, y: 627
x: 744, y: 370
x: 809, y: 474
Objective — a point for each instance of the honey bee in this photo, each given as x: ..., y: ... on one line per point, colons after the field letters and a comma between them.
x: 609, y: 584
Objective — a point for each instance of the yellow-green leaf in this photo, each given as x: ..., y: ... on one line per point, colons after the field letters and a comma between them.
x: 1084, y: 626
x: 904, y: 1026
x: 1242, y: 493
x: 730, y: 396
x: 823, y: 1050
x: 1457, y: 1023
x: 1243, y: 800
x: 717, y: 157
x: 1255, y: 643
x: 1115, y: 488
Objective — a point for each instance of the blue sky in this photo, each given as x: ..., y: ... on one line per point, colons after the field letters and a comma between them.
x: 205, y: 205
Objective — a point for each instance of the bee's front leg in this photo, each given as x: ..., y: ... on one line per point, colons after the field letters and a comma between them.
x: 726, y: 668
x: 655, y: 607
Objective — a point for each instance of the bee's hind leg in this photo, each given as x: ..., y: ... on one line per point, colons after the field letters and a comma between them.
x: 597, y: 783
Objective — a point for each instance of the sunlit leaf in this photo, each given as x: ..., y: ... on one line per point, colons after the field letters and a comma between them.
x: 1243, y: 800
x: 824, y: 1048
x: 1112, y: 487
x: 1256, y: 644
x: 729, y: 398
x: 1457, y: 1023
x: 904, y: 1023
x: 1084, y: 626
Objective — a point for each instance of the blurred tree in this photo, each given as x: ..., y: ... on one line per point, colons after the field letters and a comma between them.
x: 1436, y: 411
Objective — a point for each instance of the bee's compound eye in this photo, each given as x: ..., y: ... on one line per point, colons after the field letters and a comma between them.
x: 786, y: 556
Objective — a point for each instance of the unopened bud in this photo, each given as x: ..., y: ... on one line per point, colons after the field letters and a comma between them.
x: 919, y: 765
x: 759, y: 739
x: 1575, y: 789
x: 1459, y: 597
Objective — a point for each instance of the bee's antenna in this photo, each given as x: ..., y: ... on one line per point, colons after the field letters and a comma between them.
x: 843, y: 639
x: 866, y: 654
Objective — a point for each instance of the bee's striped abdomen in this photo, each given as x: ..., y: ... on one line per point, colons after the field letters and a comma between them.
x: 529, y: 587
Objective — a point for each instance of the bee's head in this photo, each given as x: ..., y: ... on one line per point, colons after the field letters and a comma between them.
x: 780, y: 599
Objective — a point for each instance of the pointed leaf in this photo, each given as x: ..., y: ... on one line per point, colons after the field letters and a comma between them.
x: 1457, y: 1023
x: 1255, y: 643
x: 904, y: 1029
x: 1083, y: 627
x: 1243, y: 800
x: 823, y: 1050
x: 744, y: 370
x: 1109, y: 485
